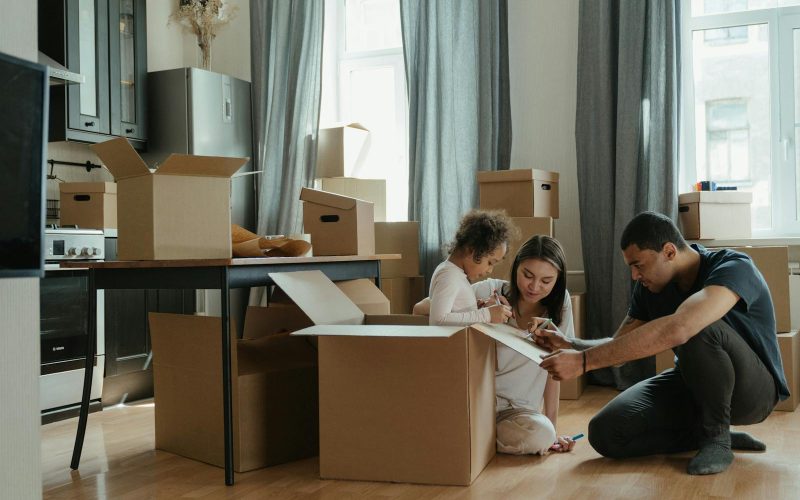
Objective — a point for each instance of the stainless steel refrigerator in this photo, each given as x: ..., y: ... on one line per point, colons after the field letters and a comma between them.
x: 199, y: 112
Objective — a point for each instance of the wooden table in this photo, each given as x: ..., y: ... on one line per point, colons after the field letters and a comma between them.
x: 221, y: 274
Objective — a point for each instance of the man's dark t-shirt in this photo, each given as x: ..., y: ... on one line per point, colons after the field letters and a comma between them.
x: 753, y: 316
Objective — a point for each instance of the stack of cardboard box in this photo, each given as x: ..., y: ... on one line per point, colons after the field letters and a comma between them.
x: 340, y: 158
x: 529, y: 197
x: 400, y: 279
x: 572, y: 389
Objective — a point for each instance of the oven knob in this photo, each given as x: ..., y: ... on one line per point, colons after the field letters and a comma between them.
x: 95, y: 251
x: 72, y: 251
x: 84, y: 252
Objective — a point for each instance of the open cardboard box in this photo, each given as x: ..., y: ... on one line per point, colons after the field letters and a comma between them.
x: 274, y: 381
x: 400, y: 401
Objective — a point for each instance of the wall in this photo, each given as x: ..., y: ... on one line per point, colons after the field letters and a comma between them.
x: 20, y: 441
x: 543, y: 51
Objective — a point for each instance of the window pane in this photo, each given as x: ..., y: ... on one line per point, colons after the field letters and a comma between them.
x: 373, y: 98
x: 87, y: 53
x: 706, y: 7
x: 372, y: 25
x: 732, y: 115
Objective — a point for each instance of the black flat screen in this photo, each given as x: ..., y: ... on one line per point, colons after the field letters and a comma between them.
x: 23, y: 122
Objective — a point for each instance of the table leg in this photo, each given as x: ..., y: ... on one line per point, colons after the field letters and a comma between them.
x: 91, y: 346
x: 227, y: 395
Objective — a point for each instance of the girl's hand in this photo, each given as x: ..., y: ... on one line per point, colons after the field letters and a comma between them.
x: 500, y: 313
x: 563, y: 444
x: 549, y: 337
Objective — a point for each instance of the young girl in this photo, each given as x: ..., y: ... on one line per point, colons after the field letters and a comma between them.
x: 527, y: 399
x: 481, y: 242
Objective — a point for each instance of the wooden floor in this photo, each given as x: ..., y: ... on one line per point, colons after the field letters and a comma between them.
x: 119, y: 462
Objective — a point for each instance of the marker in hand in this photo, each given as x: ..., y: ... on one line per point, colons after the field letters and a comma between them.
x: 557, y: 446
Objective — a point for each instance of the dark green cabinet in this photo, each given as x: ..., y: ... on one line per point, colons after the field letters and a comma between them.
x: 106, y: 42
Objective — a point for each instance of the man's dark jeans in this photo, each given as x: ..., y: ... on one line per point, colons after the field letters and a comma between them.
x: 719, y: 381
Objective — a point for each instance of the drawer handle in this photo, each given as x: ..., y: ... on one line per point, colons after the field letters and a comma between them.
x: 329, y: 218
x: 88, y: 124
x: 128, y: 130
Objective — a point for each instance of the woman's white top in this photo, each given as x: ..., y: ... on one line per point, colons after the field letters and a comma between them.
x: 452, y: 298
x: 519, y: 382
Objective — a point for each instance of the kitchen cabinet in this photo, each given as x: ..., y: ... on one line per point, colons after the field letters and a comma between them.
x: 106, y: 42
x: 128, y: 370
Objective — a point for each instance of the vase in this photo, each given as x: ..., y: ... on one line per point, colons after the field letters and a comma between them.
x: 204, y: 42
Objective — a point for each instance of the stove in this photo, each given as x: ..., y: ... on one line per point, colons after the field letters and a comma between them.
x: 73, y: 244
x: 64, y: 297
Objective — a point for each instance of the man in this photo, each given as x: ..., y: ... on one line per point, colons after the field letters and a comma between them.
x: 714, y: 310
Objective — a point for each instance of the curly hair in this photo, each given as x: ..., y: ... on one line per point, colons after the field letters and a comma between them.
x: 482, y: 231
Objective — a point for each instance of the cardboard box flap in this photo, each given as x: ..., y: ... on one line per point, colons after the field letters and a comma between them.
x: 88, y: 187
x: 203, y: 166
x: 716, y: 197
x: 391, y: 331
x: 363, y: 293
x: 342, y: 125
x: 329, y: 199
x: 319, y: 298
x: 514, y: 175
x: 513, y: 338
x: 120, y: 158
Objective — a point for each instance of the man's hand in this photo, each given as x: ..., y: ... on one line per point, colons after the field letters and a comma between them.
x: 563, y: 364
x: 548, y: 339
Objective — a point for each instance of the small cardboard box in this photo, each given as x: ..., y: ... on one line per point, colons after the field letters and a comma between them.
x: 402, y: 238
x: 274, y: 380
x: 372, y: 190
x: 403, y: 293
x: 339, y: 225
x: 528, y: 226
x: 789, y: 344
x: 380, y: 379
x: 341, y: 150
x: 88, y: 205
x: 182, y: 211
x: 773, y: 262
x: 715, y: 214
x: 520, y: 192
x: 572, y: 389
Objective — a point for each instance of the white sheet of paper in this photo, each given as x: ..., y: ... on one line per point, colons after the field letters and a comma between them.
x: 513, y: 338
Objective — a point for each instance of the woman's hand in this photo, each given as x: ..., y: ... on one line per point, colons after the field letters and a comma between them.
x: 563, y: 444
x: 547, y: 335
x: 500, y: 313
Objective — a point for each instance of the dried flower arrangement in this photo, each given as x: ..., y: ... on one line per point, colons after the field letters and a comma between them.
x: 203, y: 18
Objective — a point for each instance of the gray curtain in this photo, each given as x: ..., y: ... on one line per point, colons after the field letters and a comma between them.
x: 626, y: 136
x: 286, y: 56
x: 456, y: 56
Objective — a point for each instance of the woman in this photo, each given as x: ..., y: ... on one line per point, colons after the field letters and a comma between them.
x: 527, y: 399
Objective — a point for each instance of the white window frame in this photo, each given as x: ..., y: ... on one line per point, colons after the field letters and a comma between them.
x: 780, y: 22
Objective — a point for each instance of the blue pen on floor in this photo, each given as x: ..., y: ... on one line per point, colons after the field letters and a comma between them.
x: 577, y: 436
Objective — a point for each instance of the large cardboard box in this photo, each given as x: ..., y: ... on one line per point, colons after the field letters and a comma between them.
x: 362, y: 293
x: 400, y: 402
x: 339, y: 225
x: 372, y: 190
x: 520, y: 192
x: 275, y: 404
x: 789, y: 344
x: 528, y: 226
x: 773, y: 262
x: 182, y: 211
x: 572, y: 389
x: 88, y: 205
x: 715, y: 214
x: 341, y: 150
x: 403, y: 293
x: 402, y: 238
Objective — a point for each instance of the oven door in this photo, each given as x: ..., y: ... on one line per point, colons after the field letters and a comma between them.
x: 64, y: 302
